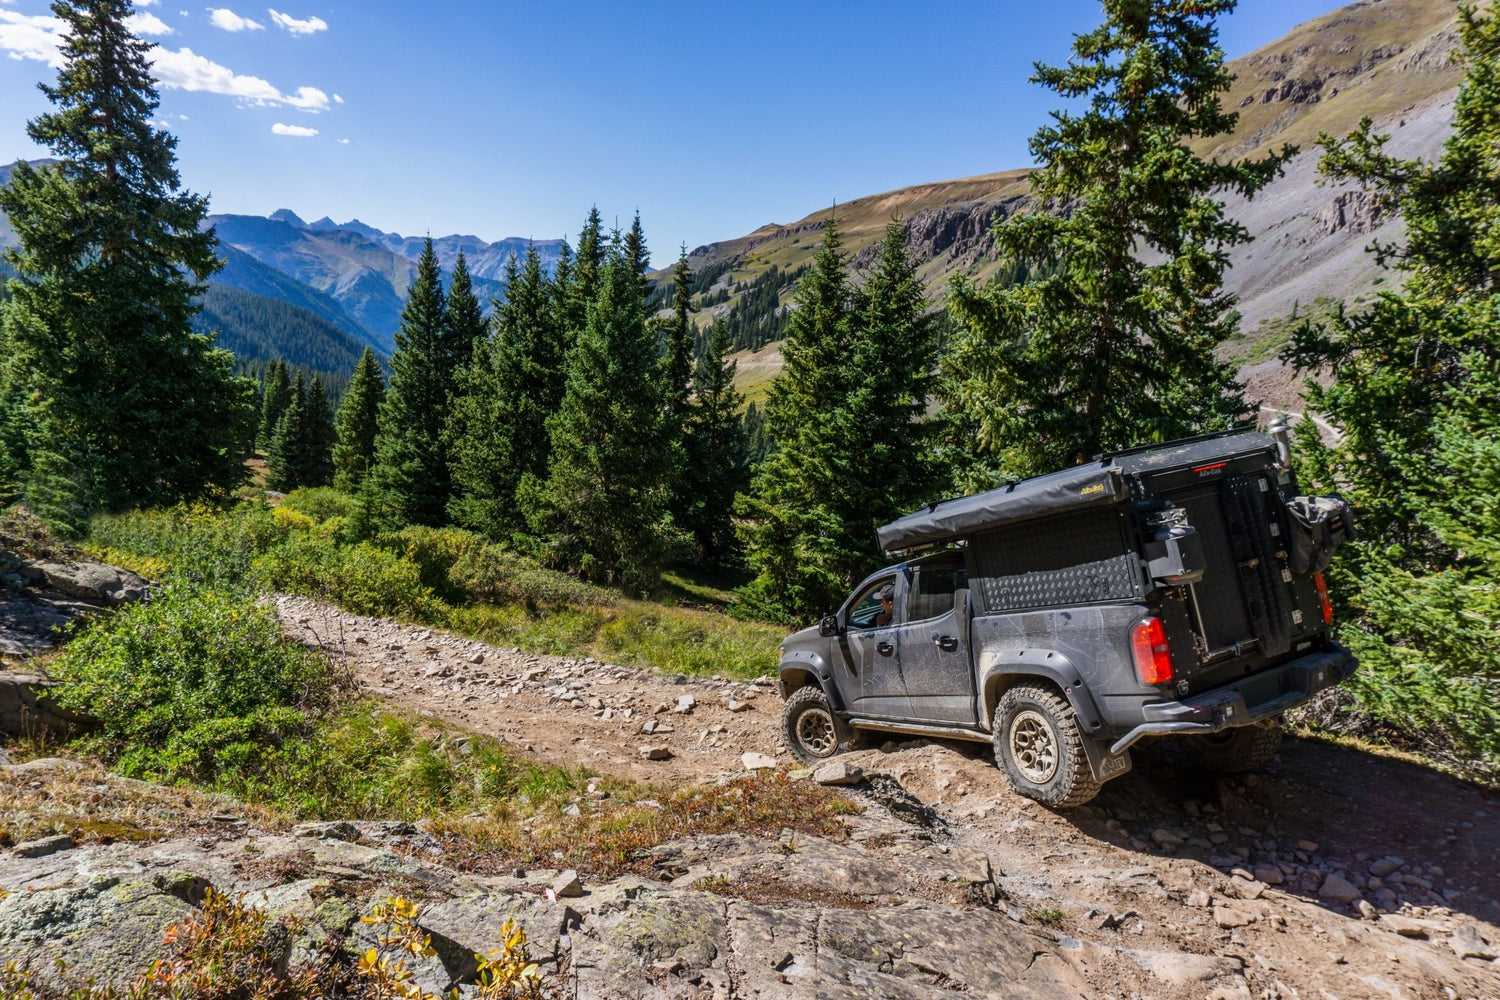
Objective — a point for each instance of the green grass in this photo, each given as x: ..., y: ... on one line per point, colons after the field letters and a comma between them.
x: 446, y: 578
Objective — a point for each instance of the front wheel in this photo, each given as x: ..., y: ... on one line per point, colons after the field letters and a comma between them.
x: 1039, y: 746
x: 1232, y: 751
x: 809, y: 727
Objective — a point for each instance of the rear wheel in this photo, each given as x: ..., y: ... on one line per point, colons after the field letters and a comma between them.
x: 1039, y: 746
x: 1244, y: 748
x: 811, y: 731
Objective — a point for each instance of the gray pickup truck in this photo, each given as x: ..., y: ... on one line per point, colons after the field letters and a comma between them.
x: 1167, y: 590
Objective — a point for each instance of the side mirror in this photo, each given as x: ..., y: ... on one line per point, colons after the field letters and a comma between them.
x: 828, y: 626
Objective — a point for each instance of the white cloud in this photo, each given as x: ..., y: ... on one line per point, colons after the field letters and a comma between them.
x: 147, y: 3
x: 297, y: 130
x: 310, y: 26
x: 37, y: 37
x: 337, y: 99
x: 228, y: 20
x: 307, y: 99
x: 343, y: 142
x: 147, y: 24
x: 26, y: 37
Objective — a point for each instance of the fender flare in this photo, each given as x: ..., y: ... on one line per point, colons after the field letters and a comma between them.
x: 999, y: 670
x: 801, y: 669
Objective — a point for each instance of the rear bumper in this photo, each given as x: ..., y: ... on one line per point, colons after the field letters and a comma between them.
x: 1247, y: 701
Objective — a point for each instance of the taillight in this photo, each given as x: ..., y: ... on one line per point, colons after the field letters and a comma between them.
x: 1323, y: 601
x: 1153, y: 657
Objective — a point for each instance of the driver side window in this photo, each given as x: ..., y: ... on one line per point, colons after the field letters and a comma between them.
x: 868, y: 611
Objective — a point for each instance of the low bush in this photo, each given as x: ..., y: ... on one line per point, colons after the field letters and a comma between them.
x: 363, y: 578
x: 201, y: 544
x: 320, y: 503
x: 192, y: 686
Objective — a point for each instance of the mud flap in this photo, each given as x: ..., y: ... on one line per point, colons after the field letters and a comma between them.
x: 1104, y: 764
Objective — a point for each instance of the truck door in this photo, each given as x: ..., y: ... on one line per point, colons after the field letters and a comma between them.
x: 932, y: 641
x: 868, y: 645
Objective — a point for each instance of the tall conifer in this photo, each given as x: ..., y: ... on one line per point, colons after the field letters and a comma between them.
x: 1110, y: 340
x: 498, y: 431
x: 286, y: 460
x: 716, y: 465
x: 358, y: 418
x: 464, y: 324
x: 681, y: 337
x: 127, y: 404
x: 602, y: 508
x: 318, y: 437
x: 409, y: 481
x: 276, y: 393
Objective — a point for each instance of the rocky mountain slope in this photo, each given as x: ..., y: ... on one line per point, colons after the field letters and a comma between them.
x: 1389, y: 59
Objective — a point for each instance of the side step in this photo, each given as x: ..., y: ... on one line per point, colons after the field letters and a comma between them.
x: 916, y: 729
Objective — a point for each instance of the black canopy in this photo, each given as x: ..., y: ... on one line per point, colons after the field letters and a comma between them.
x: 1095, y: 485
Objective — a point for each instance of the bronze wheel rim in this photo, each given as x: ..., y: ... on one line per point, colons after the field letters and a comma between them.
x: 815, y: 733
x: 1033, y: 746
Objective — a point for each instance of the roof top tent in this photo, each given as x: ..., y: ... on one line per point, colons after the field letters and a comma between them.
x: 1111, y: 479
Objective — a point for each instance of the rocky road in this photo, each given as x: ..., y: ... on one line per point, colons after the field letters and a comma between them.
x: 1333, y: 874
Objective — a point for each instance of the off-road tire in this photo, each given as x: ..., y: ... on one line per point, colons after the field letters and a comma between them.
x: 1039, y: 747
x: 1244, y: 748
x: 811, y: 730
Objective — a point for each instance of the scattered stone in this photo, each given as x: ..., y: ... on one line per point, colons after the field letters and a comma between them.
x: 1307, y: 846
x: 1338, y: 888
x: 1246, y: 888
x: 43, y: 846
x: 1269, y: 874
x: 476, y: 657
x: 656, y: 753
x: 1367, y: 911
x: 1385, y: 866
x: 1199, y: 898
x: 685, y: 704
x: 1406, y: 926
x: 1166, y: 838
x: 758, y: 761
x: 736, y: 706
x: 838, y: 772
x: 1466, y: 942
x: 1229, y: 917
x: 567, y: 885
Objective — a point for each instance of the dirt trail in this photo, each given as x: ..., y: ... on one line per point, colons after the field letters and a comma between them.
x: 1332, y: 874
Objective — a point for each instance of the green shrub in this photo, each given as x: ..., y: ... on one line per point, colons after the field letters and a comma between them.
x: 201, y: 544
x: 690, y: 642
x: 193, y: 685
x: 363, y: 578
x: 318, y: 502
x: 434, y: 551
x: 499, y: 576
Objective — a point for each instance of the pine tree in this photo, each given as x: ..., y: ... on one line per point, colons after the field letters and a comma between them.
x: 582, y: 286
x: 716, y: 467
x: 286, y: 460
x: 464, y: 324
x: 793, y: 538
x: 498, y: 431
x: 276, y: 393
x: 409, y: 481
x: 127, y: 405
x: 1415, y: 396
x: 602, y: 508
x: 359, y: 415
x: 318, y: 437
x: 1109, y: 339
x: 681, y: 337
x: 638, y: 257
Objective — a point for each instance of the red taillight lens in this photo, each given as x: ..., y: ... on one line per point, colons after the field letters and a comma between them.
x: 1153, y: 658
x: 1323, y: 601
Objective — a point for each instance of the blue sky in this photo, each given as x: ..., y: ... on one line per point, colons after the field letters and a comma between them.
x: 512, y: 118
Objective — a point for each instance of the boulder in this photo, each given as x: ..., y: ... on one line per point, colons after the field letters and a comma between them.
x: 1339, y: 889
x: 758, y: 761
x: 838, y: 772
x: 92, y: 581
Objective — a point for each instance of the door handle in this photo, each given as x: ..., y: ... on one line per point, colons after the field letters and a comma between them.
x: 884, y: 648
x: 946, y: 643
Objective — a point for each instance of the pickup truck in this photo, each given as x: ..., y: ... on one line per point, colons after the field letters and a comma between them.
x: 1170, y: 590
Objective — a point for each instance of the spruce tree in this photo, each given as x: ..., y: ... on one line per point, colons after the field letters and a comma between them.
x: 794, y: 541
x: 637, y: 256
x: 681, y: 339
x: 318, y: 437
x: 583, y: 275
x: 1415, y: 396
x: 716, y: 467
x: 602, y: 509
x: 286, y: 460
x: 127, y: 404
x: 409, y: 481
x: 464, y: 325
x: 1108, y: 340
x: 498, y: 431
x: 358, y: 418
x: 276, y: 393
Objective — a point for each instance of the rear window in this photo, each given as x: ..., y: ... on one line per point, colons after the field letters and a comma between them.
x: 930, y: 589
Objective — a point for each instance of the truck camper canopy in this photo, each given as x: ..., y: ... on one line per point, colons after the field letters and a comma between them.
x: 1100, y: 483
